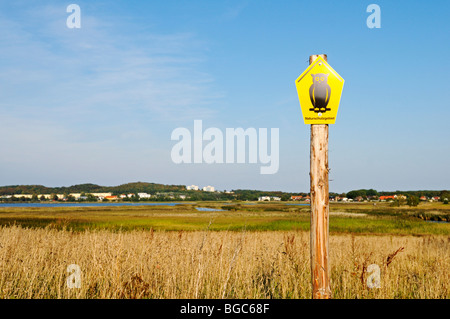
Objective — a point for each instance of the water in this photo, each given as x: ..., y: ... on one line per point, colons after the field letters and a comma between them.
x: 205, y: 209
x: 299, y: 204
x: 28, y: 205
x: 32, y: 205
x: 437, y: 221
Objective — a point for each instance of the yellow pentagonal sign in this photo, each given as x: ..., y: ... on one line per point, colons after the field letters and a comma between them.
x: 319, y: 90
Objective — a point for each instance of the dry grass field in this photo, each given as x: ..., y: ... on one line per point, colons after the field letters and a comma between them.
x: 215, y: 264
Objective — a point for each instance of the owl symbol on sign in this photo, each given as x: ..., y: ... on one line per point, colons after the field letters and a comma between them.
x: 320, y: 93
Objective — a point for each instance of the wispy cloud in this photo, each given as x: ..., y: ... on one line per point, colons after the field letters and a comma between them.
x: 73, y: 99
x: 233, y: 11
x: 99, y: 69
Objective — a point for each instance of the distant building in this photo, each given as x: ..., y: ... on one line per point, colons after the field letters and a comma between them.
x: 111, y: 197
x: 296, y: 197
x: 264, y: 199
x: 192, y: 188
x: 101, y: 195
x: 277, y: 199
x: 144, y: 195
x: 384, y: 198
x: 23, y: 196
x: 208, y: 189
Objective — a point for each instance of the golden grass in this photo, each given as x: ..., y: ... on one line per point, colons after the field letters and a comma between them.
x: 208, y: 264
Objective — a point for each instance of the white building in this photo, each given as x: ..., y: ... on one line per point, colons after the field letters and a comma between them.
x: 192, y: 188
x: 208, y: 189
x: 23, y: 195
x: 77, y: 196
x: 102, y: 195
x: 276, y: 198
x: 49, y: 196
x: 144, y: 195
x: 264, y: 198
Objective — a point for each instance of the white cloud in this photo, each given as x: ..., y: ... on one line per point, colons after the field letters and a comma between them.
x: 94, y: 70
x: 234, y: 11
x: 88, y: 104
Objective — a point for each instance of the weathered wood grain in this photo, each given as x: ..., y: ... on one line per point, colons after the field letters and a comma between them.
x: 319, y: 208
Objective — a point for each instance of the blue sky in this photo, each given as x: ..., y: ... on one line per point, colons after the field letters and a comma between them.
x: 98, y: 104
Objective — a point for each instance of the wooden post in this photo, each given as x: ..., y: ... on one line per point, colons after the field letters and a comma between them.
x: 319, y: 207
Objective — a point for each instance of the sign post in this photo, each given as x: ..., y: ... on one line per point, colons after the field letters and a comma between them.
x: 319, y: 99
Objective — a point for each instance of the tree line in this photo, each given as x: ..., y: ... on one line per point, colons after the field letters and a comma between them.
x: 138, y: 187
x: 161, y: 192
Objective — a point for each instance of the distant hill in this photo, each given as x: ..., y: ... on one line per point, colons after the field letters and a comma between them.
x: 137, y: 187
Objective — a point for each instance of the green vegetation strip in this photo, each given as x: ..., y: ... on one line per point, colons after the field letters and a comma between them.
x: 361, y: 219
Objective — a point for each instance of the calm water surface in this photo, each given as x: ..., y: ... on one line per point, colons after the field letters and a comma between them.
x: 85, y: 204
